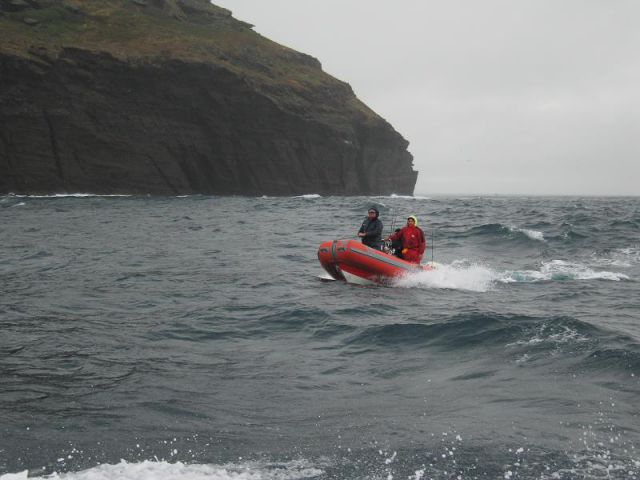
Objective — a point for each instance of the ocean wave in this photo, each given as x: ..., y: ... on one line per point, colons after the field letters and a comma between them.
x: 560, y: 270
x: 309, y: 196
x: 625, y: 358
x: 510, y: 232
x: 521, y: 459
x: 598, y: 349
x: 532, y: 234
x: 571, y: 236
x: 395, y: 334
x: 409, y: 197
x: 632, y: 253
x: 597, y: 462
x: 553, y: 334
x: 517, y: 333
x: 163, y: 470
x: 69, y: 195
x: 516, y: 339
x: 459, y: 331
x: 620, y: 257
x: 623, y: 224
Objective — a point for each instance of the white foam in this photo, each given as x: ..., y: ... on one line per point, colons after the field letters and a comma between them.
x: 408, y: 197
x: 475, y: 277
x: 621, y: 257
x: 546, y: 335
x: 524, y: 276
x: 66, y: 195
x: 561, y: 270
x: 15, y: 476
x: 459, y: 275
x: 310, y: 195
x: 532, y: 234
x: 325, y: 276
x: 160, y: 470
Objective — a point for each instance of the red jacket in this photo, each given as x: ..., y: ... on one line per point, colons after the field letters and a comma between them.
x: 413, y: 240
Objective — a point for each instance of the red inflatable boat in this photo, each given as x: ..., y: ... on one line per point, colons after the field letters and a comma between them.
x: 354, y: 262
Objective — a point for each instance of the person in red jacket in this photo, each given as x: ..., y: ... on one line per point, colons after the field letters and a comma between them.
x: 413, y: 241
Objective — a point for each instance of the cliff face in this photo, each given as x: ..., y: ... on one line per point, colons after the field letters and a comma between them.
x: 177, y: 97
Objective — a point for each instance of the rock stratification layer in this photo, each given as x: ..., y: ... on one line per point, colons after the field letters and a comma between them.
x: 178, y: 97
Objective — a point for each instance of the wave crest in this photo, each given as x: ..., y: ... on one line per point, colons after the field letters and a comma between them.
x: 509, y: 232
x: 560, y: 270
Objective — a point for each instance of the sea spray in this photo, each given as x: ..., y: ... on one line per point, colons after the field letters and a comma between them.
x: 459, y: 275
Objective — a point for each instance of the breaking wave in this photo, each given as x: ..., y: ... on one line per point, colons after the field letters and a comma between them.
x: 620, y: 257
x: 560, y: 270
x: 409, y: 197
x: 510, y: 232
x: 70, y: 195
x: 532, y: 234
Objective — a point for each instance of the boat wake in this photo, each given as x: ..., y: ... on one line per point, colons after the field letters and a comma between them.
x: 475, y: 277
x: 459, y: 275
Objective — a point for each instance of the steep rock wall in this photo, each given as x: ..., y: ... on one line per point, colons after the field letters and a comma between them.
x: 78, y: 120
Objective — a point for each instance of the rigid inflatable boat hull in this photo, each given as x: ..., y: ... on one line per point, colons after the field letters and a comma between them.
x: 354, y: 262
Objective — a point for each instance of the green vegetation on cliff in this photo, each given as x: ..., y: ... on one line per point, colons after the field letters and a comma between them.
x: 178, y: 97
x: 186, y: 30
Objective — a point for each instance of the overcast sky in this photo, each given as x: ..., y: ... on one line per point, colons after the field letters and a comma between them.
x: 494, y: 96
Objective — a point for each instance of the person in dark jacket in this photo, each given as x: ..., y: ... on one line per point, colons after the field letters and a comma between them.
x: 371, y: 230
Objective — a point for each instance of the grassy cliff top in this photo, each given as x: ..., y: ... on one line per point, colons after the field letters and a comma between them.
x: 154, y: 31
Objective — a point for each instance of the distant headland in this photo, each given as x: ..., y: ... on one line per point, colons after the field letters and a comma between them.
x: 174, y: 97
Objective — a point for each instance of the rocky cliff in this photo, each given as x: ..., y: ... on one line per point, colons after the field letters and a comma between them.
x: 177, y: 97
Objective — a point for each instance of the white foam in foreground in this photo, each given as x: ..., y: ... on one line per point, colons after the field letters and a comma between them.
x: 149, y: 470
x: 457, y: 276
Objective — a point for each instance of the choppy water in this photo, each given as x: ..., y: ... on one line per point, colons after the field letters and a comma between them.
x: 194, y: 338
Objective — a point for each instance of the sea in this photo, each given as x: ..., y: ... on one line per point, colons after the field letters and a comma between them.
x: 193, y: 338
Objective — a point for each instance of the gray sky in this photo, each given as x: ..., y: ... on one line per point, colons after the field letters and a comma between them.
x: 494, y: 96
